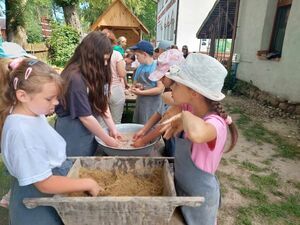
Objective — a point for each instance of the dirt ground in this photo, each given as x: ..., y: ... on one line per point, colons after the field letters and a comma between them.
x: 250, y: 159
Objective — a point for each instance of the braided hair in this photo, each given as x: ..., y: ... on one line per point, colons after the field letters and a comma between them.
x: 219, y: 110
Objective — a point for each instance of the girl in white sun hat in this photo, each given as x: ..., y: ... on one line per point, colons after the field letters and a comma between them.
x: 198, y: 83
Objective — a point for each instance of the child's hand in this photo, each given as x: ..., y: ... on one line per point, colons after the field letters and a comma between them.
x: 137, y: 91
x: 138, y: 143
x: 115, y: 134
x: 112, y: 142
x: 94, y: 188
x: 138, y: 134
x: 173, y: 128
x: 172, y: 111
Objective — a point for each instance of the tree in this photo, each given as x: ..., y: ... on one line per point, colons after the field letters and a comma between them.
x: 70, y: 13
x: 15, y: 23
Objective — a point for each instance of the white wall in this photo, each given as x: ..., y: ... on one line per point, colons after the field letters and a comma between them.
x: 280, y: 78
x: 191, y: 15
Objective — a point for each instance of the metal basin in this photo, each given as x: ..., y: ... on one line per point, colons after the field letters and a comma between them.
x: 127, y: 128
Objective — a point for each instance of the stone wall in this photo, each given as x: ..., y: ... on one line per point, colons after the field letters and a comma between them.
x: 282, y: 107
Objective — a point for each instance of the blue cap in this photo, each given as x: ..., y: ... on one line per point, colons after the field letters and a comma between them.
x: 144, y: 46
x: 13, y: 50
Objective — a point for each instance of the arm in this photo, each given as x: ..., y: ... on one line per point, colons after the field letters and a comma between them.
x: 121, y: 69
x: 61, y: 184
x: 111, y: 124
x: 94, y: 127
x: 150, y: 123
x: 197, y: 129
x: 144, y: 140
x: 152, y: 91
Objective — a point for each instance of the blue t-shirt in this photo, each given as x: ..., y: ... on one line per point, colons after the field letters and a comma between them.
x: 143, y: 72
x: 31, y: 148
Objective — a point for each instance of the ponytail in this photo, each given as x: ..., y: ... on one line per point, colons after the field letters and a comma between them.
x: 6, y: 98
x: 219, y: 110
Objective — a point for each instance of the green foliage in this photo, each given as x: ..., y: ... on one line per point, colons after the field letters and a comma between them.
x: 33, y: 29
x: 15, y: 14
x: 62, y: 44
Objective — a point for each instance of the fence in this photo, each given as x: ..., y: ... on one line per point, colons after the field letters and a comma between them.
x: 39, y: 50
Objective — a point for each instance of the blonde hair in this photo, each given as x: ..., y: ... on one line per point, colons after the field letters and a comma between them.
x: 15, y: 79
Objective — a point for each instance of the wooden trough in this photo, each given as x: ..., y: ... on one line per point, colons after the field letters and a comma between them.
x: 112, y: 210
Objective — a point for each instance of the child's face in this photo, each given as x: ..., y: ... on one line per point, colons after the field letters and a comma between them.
x: 141, y: 56
x: 41, y: 103
x: 166, y: 81
x: 180, y: 93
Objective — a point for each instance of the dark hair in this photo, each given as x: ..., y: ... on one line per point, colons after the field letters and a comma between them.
x: 16, y: 79
x: 130, y: 56
x: 219, y: 110
x: 89, y: 60
x: 174, y: 47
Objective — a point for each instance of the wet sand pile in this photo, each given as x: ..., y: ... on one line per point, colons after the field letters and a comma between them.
x: 125, y: 184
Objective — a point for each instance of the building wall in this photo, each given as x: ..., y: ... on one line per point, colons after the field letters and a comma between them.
x: 166, y: 20
x: 191, y: 14
x: 278, y: 77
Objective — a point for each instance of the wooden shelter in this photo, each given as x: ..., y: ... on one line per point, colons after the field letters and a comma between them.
x: 119, y: 18
x: 220, y: 23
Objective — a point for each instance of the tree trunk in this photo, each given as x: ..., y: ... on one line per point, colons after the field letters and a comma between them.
x: 15, y: 23
x: 71, y: 17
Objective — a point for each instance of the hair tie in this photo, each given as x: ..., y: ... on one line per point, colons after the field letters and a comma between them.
x: 228, y: 120
x: 15, y: 83
x: 15, y: 63
x: 27, y: 72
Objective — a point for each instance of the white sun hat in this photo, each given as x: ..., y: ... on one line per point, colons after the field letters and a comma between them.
x: 202, y: 73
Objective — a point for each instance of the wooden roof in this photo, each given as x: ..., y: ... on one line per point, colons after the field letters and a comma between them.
x: 215, y: 22
x: 118, y: 15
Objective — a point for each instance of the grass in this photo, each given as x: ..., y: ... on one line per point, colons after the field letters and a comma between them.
x: 254, y: 131
x: 286, y: 211
x: 251, y: 167
x: 265, y: 182
x: 4, y: 187
x: 253, y: 194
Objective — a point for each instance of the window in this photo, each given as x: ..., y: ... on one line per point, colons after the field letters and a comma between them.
x: 281, y: 18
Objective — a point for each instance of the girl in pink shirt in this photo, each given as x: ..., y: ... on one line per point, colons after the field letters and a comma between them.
x: 197, y: 87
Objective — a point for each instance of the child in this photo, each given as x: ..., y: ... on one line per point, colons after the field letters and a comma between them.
x: 143, y: 136
x: 87, y: 77
x: 33, y: 152
x: 117, y: 87
x: 148, y: 96
x: 10, y: 53
x: 198, y: 82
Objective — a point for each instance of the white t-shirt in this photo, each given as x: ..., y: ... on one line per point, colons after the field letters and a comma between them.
x: 31, y: 148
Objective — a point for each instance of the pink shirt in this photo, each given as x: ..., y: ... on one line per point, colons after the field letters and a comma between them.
x: 203, y: 157
x: 208, y: 159
x: 116, y: 58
